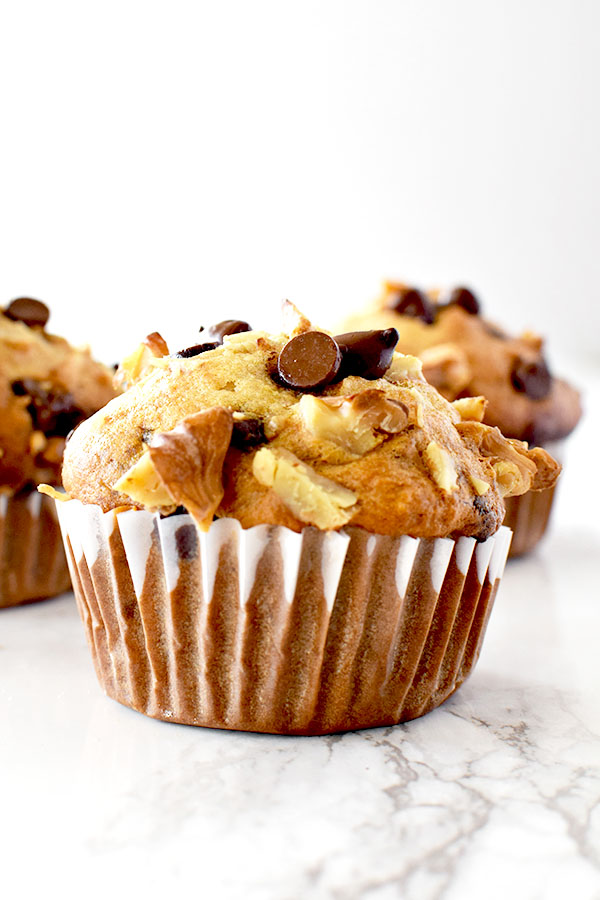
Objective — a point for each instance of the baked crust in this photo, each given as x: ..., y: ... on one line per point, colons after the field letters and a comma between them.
x: 427, y: 480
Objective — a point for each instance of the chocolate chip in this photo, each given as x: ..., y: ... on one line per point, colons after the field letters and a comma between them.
x: 197, y: 349
x: 186, y: 541
x: 309, y: 360
x: 411, y: 302
x: 247, y: 433
x: 531, y: 378
x: 367, y: 353
x: 25, y: 309
x: 488, y: 519
x: 52, y: 411
x: 222, y: 329
x: 462, y: 296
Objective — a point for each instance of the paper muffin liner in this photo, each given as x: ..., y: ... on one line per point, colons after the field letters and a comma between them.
x: 268, y: 630
x: 32, y: 559
x: 528, y: 516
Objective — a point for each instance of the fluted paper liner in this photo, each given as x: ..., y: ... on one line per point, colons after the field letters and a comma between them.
x: 268, y: 630
x: 528, y: 516
x: 32, y: 558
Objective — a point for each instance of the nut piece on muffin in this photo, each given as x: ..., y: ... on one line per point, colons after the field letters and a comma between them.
x: 464, y: 354
x: 47, y: 388
x: 296, y: 430
x: 290, y: 533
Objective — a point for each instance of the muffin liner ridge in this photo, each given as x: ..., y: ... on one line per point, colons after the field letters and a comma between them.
x: 32, y: 559
x: 268, y: 630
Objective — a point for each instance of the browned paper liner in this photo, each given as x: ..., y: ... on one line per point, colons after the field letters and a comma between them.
x: 268, y: 630
x: 32, y: 558
x: 528, y: 516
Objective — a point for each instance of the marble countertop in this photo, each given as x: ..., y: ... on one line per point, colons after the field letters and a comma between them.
x: 495, y: 794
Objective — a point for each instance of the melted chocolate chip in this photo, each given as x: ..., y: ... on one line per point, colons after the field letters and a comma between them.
x: 308, y: 361
x: 222, y: 329
x: 488, y: 519
x: 53, y: 412
x: 186, y: 541
x: 196, y: 350
x: 462, y: 296
x: 411, y: 302
x: 367, y: 353
x: 25, y: 309
x: 531, y: 378
x: 247, y: 433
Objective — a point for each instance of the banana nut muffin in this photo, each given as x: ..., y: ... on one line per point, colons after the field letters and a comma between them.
x: 47, y: 388
x: 465, y: 354
x: 288, y: 533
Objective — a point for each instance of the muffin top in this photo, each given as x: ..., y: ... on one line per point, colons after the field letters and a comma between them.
x: 464, y: 354
x: 298, y: 429
x: 46, y: 388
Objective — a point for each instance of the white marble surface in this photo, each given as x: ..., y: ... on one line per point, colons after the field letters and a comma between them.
x: 495, y: 795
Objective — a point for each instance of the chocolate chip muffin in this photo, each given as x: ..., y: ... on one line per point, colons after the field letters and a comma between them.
x: 465, y: 354
x: 291, y: 533
x: 46, y: 389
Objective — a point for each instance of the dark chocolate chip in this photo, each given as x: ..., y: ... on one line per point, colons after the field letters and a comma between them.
x: 531, y: 378
x: 186, y: 541
x: 196, y: 350
x: 411, y: 302
x: 247, y: 433
x: 310, y: 360
x: 367, y: 353
x: 25, y: 309
x: 222, y: 329
x: 52, y: 411
x: 462, y: 296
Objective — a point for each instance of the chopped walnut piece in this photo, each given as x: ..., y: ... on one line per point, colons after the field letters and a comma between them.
x: 143, y: 484
x: 518, y: 469
x: 441, y: 467
x: 137, y: 364
x: 50, y: 491
x: 447, y: 368
x: 294, y: 322
x: 471, y: 408
x: 404, y: 367
x: 309, y: 496
x: 479, y: 485
x: 357, y: 423
x: 189, y: 461
x: 156, y: 344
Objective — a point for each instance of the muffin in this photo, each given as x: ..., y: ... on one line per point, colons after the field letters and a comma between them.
x: 464, y: 354
x: 46, y: 389
x: 287, y: 533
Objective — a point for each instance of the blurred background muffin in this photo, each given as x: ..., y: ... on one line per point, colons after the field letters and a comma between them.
x: 47, y: 388
x: 465, y: 354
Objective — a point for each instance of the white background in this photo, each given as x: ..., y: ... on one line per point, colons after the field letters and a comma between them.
x: 163, y: 165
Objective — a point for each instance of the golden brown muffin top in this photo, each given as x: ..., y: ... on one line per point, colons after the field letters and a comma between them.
x: 464, y: 354
x: 297, y: 429
x: 47, y: 388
